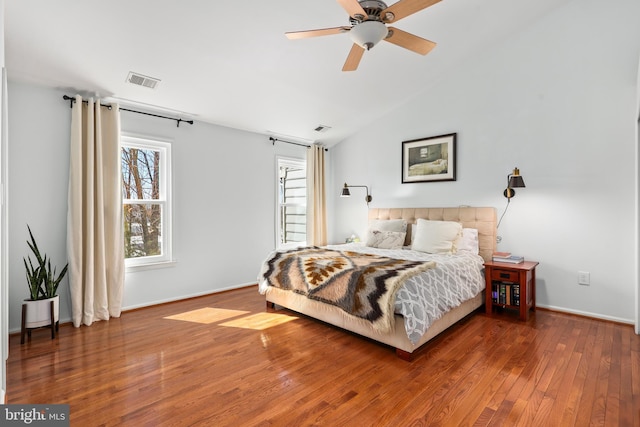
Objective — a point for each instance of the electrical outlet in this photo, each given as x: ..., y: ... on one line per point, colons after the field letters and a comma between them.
x: 583, y: 278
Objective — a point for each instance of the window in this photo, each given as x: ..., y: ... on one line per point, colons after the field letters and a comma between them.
x: 292, y: 203
x: 146, y: 182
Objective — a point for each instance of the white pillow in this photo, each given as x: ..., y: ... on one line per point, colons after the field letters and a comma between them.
x: 468, y: 241
x: 436, y: 237
x: 386, y: 239
x: 388, y: 225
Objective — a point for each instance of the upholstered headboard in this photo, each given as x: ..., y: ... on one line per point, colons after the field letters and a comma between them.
x: 482, y: 219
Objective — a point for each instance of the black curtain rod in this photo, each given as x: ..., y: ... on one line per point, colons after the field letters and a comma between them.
x: 274, y: 140
x: 178, y: 121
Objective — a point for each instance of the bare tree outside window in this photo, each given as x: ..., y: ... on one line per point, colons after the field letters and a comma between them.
x: 144, y: 200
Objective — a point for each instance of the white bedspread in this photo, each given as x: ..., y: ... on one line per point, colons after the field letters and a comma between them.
x: 428, y: 296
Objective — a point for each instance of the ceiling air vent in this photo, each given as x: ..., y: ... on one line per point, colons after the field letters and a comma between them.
x: 322, y: 128
x: 141, y: 80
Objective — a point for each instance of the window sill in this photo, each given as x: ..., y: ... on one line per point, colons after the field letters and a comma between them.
x: 149, y: 266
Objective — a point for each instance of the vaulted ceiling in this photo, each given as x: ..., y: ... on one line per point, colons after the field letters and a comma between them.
x: 229, y: 63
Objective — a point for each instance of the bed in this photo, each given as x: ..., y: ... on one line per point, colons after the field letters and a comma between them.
x: 400, y: 329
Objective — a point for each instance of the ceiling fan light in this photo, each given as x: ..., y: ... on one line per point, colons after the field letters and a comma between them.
x: 368, y: 33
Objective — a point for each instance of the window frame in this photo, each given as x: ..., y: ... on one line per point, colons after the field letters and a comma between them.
x: 164, y: 198
x: 283, y: 160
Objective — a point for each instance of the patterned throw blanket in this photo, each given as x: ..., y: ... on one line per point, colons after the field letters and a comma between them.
x: 362, y: 285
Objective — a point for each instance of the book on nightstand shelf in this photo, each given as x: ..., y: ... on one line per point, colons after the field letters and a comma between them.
x: 507, y: 257
x: 506, y: 293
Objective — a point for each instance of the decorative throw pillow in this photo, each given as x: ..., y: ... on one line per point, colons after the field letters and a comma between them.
x: 436, y: 237
x: 388, y: 225
x: 385, y: 239
x: 468, y: 241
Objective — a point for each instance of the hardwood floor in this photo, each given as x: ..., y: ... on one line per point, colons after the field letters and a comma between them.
x: 221, y: 360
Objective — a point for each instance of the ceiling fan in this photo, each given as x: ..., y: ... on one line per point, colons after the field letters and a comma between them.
x: 368, y: 20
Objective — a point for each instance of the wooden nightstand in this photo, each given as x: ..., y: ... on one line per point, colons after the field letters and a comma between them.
x: 511, y: 286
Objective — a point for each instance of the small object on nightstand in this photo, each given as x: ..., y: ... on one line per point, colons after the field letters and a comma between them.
x: 513, y: 259
x: 501, y: 254
x: 511, y: 286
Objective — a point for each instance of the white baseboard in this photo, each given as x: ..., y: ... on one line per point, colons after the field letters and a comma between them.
x: 181, y: 297
x: 587, y: 314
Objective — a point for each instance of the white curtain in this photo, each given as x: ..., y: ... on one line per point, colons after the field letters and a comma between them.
x: 95, y: 238
x: 316, y: 205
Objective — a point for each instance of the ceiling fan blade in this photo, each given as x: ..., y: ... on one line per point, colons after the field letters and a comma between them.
x: 316, y: 33
x: 353, y: 8
x: 404, y: 8
x: 353, y: 60
x: 409, y: 41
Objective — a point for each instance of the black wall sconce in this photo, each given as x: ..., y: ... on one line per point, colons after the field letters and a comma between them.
x: 514, y: 180
x: 347, y: 193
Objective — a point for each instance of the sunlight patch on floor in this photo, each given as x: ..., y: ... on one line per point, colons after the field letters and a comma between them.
x: 259, y: 321
x: 207, y: 315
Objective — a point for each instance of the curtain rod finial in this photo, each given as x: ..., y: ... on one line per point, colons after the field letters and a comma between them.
x: 70, y: 99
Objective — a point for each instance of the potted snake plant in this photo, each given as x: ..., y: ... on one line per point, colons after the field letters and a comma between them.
x: 43, y: 287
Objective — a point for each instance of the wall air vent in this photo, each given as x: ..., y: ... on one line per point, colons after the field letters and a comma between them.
x: 322, y: 128
x: 141, y: 80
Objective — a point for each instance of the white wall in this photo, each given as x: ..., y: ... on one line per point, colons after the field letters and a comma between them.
x: 223, y: 214
x: 4, y: 284
x: 223, y: 189
x: 558, y: 100
x: 637, y: 179
x: 38, y: 173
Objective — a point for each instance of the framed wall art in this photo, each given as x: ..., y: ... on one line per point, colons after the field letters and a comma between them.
x: 429, y: 159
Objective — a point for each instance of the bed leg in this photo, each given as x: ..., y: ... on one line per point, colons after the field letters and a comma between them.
x: 404, y: 355
x: 271, y: 306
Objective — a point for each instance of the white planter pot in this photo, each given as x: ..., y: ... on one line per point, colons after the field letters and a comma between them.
x: 39, y: 312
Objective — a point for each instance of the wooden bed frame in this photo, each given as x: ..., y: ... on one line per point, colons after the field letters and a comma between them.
x: 481, y: 218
